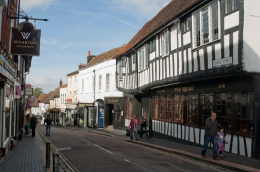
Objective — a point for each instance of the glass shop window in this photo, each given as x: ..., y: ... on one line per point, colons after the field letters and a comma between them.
x: 192, y: 109
x: 244, y: 112
x: 178, y: 108
x: 206, y: 105
x: 161, y: 107
x: 155, y: 107
x: 223, y: 103
x: 168, y: 116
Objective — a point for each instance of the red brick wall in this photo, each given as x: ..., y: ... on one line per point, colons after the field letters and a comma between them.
x: 11, y: 10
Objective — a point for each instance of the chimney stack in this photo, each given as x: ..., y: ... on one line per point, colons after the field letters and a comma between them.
x: 89, y: 58
x: 88, y: 53
x: 60, y: 83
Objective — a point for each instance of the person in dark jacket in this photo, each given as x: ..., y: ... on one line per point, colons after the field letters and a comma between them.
x: 48, y: 121
x: 211, y: 130
x: 33, y: 124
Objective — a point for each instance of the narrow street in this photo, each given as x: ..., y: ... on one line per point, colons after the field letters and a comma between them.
x: 92, y: 152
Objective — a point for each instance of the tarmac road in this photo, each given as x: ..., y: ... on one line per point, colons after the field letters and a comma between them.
x: 93, y: 152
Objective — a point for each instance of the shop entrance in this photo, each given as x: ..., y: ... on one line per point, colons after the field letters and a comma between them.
x: 109, y: 114
x: 100, y: 116
x: 117, y: 117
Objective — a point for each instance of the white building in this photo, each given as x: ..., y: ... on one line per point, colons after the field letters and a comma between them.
x: 62, y: 106
x: 97, y: 82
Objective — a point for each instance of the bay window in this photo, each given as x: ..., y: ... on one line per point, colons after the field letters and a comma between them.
x: 206, y: 24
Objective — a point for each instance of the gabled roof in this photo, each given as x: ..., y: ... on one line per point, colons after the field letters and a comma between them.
x: 39, y: 99
x: 47, y: 98
x: 105, y: 56
x: 170, y: 12
x: 64, y: 86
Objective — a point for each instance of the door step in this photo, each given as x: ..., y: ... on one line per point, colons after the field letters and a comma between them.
x: 110, y: 128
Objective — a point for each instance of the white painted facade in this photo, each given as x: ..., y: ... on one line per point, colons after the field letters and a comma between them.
x: 62, y: 105
x: 86, y: 85
x: 72, y: 89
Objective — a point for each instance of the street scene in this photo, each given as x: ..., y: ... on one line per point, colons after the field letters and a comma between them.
x: 127, y: 85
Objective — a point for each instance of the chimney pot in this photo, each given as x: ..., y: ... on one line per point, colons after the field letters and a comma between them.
x: 88, y: 53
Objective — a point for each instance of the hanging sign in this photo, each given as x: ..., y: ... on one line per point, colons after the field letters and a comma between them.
x: 25, y: 40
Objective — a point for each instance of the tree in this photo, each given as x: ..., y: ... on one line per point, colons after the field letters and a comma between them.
x: 37, y: 91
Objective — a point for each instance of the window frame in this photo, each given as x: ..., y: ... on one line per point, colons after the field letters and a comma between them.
x: 100, y: 82
x: 184, y: 24
x: 120, y: 72
x: 142, y: 55
x: 210, y: 25
x: 93, y: 83
x: 134, y: 58
x: 165, y: 43
x: 108, y: 82
x: 82, y: 86
x: 152, y: 46
x: 233, y: 9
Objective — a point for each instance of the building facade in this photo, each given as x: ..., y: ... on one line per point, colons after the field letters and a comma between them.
x: 200, y: 58
x: 96, y: 86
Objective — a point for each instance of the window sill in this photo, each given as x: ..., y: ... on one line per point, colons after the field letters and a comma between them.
x: 142, y: 70
x: 121, y: 79
x: 217, y: 40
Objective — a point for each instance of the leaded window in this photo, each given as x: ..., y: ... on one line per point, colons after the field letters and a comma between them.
x: 178, y: 108
x: 186, y: 24
x: 161, y: 107
x: 120, y: 69
x: 223, y: 110
x: 206, y: 104
x: 244, y: 112
x: 155, y: 107
x: 152, y: 46
x: 192, y: 109
x: 143, y: 58
x: 231, y: 5
x: 206, y: 24
x: 134, y: 58
x: 165, y: 43
x: 168, y: 116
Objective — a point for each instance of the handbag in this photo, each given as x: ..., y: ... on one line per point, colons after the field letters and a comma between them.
x: 127, y: 132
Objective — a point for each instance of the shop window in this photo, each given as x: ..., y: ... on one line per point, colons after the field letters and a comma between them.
x: 192, y: 109
x: 206, y: 107
x: 161, y: 107
x: 129, y: 108
x: 155, y: 107
x: 223, y: 110
x: 244, y: 112
x: 168, y: 115
x: 178, y: 108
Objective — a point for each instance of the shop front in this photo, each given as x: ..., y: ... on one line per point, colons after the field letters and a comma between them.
x: 179, y: 112
x: 70, y: 111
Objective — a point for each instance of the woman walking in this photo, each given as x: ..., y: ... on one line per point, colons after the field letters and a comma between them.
x: 133, y: 127
x: 27, y: 120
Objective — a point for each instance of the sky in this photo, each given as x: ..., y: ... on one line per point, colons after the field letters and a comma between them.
x: 79, y: 26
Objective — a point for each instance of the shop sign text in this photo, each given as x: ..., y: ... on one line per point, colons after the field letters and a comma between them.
x: 112, y: 101
x: 184, y: 89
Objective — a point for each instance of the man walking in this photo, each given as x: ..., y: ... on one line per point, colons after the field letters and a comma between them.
x: 48, y: 121
x: 57, y: 121
x: 211, y: 130
x: 144, y: 124
x: 33, y: 124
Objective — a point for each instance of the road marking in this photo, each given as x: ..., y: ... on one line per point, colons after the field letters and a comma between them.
x: 104, y: 149
x: 68, y: 148
x: 137, y: 165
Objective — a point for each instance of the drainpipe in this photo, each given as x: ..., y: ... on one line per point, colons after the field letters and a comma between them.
x: 94, y: 120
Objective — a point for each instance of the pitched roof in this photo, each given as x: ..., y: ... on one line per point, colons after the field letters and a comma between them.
x: 166, y: 15
x: 105, y: 56
x: 39, y: 99
x: 47, y: 98
x: 64, y: 86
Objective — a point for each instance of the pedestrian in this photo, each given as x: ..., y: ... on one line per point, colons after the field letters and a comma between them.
x: 26, y: 123
x: 66, y: 122
x: 133, y: 127
x: 144, y: 124
x: 48, y: 121
x: 211, y: 130
x: 33, y: 124
x: 221, y: 139
x: 57, y: 120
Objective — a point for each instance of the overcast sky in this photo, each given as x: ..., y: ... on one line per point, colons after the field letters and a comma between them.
x: 77, y: 26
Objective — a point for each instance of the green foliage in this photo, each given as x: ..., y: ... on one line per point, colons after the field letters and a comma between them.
x: 37, y: 91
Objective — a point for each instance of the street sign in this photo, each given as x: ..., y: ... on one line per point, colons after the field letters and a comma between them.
x: 28, y: 91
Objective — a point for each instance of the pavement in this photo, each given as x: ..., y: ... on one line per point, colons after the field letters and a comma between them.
x: 26, y: 156
x: 29, y: 155
x: 229, y: 161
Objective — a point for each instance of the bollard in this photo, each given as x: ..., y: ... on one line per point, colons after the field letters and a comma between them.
x: 48, y: 154
x: 55, y: 161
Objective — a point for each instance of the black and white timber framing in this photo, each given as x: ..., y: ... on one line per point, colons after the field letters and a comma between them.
x: 234, y: 53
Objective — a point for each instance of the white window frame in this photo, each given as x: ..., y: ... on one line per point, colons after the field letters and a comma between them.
x: 100, y: 82
x: 82, y: 84
x: 165, y: 42
x: 209, y: 6
x: 71, y: 81
x: 142, y: 58
x: 93, y: 83
x: 75, y: 80
x: 108, y: 82
x: 120, y: 66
